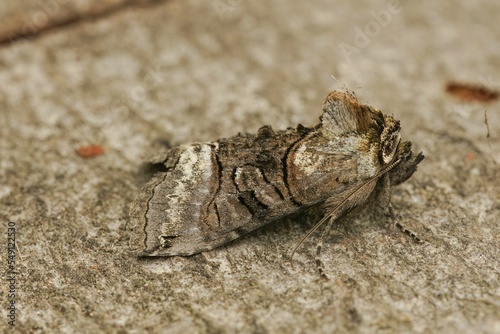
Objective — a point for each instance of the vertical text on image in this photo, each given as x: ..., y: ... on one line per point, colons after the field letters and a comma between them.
x: 11, y: 273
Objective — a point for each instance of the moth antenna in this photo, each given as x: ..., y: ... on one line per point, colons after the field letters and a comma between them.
x: 311, y: 231
x: 335, y: 210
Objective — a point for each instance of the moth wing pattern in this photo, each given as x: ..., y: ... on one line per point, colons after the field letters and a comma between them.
x: 210, y: 195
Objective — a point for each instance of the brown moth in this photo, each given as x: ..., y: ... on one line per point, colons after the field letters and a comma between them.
x: 215, y: 192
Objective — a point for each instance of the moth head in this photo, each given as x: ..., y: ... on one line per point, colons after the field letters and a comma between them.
x: 389, y: 139
x: 407, y: 164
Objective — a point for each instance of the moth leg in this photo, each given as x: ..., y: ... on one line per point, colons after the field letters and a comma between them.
x: 385, y: 203
x: 384, y: 197
x: 409, y: 233
x: 319, y: 264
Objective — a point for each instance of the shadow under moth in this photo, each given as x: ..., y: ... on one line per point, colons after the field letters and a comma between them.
x: 214, y: 192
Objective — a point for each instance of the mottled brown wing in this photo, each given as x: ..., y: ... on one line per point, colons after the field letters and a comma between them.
x: 205, y: 200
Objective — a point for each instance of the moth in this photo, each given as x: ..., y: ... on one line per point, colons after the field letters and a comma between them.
x: 214, y: 192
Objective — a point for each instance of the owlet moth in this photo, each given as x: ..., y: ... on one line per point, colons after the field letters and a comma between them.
x: 214, y: 192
